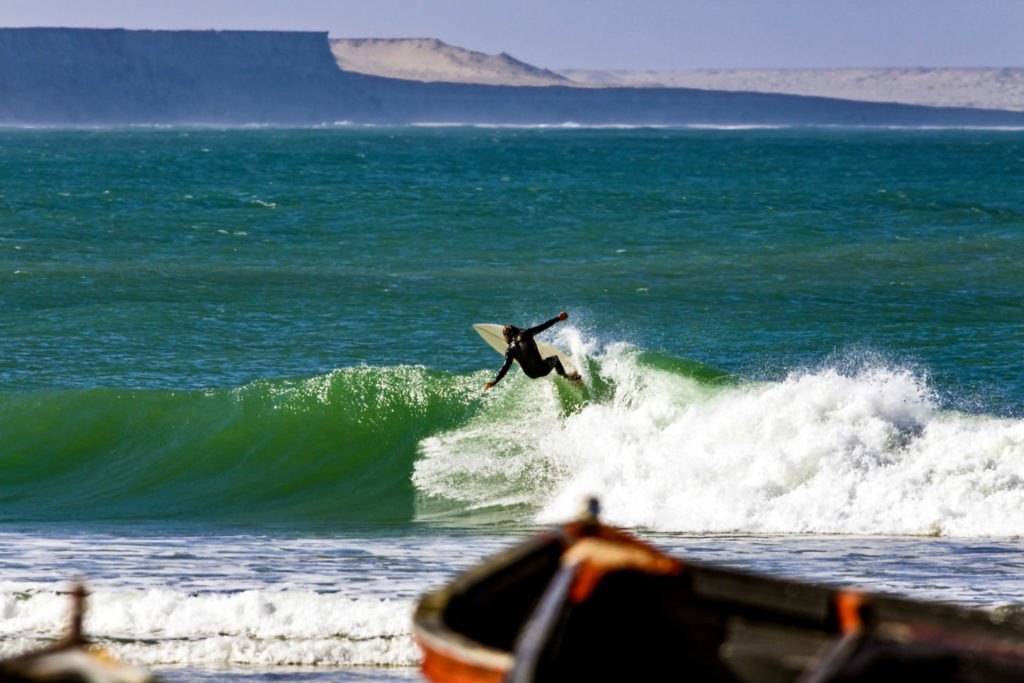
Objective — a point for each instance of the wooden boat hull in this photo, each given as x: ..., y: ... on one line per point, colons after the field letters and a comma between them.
x: 585, y: 601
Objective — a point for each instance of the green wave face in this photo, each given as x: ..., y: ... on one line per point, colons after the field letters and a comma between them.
x: 334, y: 447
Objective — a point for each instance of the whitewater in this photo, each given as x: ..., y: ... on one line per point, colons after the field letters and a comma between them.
x: 859, y: 449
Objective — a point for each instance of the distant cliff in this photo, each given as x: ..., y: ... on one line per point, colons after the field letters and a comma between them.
x: 86, y: 76
x: 57, y: 76
x: 430, y: 60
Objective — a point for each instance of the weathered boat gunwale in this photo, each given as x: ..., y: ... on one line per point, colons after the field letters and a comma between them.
x: 445, y: 649
x: 448, y: 651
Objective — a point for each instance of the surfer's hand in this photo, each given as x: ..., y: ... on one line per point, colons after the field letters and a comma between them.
x: 488, y: 386
x: 563, y: 316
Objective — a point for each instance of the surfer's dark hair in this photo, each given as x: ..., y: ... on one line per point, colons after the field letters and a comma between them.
x: 511, y: 331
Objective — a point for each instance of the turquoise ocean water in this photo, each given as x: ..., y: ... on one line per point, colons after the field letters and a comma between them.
x: 240, y: 394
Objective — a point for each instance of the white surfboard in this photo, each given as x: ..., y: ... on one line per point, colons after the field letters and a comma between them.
x: 493, y: 336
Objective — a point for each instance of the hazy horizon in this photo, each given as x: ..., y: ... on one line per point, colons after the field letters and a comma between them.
x: 609, y: 34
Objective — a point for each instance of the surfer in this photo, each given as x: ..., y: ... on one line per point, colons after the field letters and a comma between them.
x: 522, y: 348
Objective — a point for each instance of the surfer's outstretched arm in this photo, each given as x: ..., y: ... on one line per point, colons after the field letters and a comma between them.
x: 543, y: 326
x: 504, y: 368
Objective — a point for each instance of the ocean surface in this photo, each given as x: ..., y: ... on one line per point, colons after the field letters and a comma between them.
x: 242, y: 401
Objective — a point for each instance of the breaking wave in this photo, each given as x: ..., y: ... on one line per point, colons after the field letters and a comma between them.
x: 667, y: 444
x: 668, y: 447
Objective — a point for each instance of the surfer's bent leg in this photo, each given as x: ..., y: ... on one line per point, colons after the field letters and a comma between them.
x: 556, y: 365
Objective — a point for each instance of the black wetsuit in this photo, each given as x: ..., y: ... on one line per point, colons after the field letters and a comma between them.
x: 524, y: 349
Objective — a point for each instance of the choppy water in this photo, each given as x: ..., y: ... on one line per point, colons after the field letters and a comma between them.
x: 240, y: 395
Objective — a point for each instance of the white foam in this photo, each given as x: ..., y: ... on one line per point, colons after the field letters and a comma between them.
x: 867, y: 452
x: 256, y: 627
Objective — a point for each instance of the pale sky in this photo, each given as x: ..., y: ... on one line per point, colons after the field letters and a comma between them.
x: 607, y: 34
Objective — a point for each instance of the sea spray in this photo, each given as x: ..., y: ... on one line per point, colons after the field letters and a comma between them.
x: 825, y: 451
x: 513, y: 454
